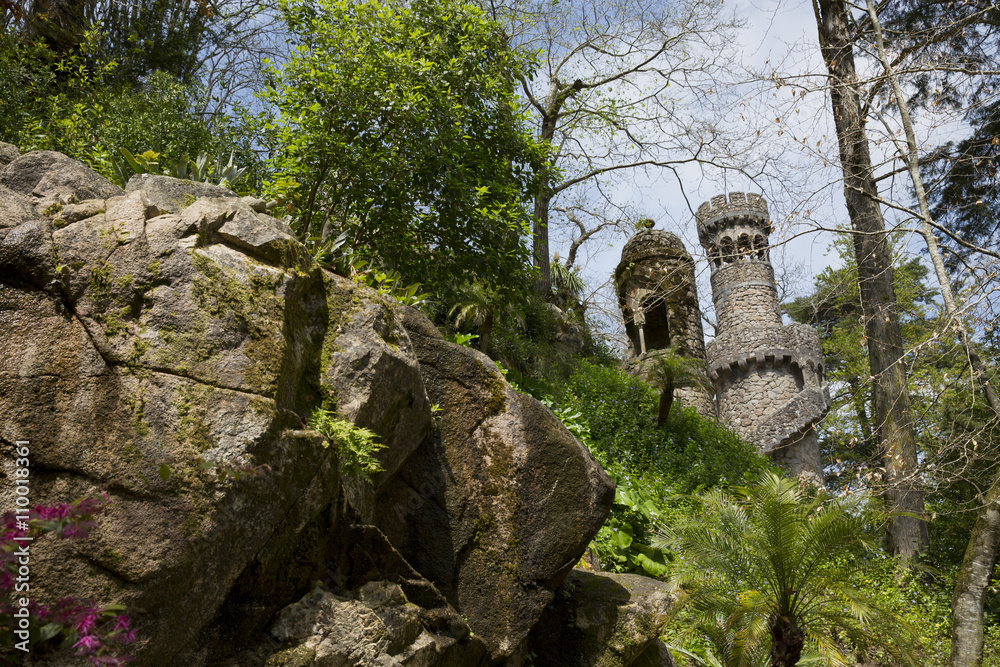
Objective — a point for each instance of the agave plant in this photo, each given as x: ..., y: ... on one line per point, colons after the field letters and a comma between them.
x: 228, y: 173
x: 199, y: 169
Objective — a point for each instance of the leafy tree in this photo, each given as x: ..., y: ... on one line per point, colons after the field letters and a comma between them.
x: 835, y: 308
x: 141, y: 36
x: 773, y: 568
x: 607, y: 97
x: 74, y: 104
x: 960, y: 38
x: 399, y: 123
x: 480, y: 306
x: 672, y: 371
x: 957, y: 57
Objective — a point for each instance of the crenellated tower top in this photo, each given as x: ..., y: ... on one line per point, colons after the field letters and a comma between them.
x: 734, y: 229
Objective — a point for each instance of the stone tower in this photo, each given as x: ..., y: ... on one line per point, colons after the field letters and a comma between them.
x: 659, y: 300
x: 768, y: 377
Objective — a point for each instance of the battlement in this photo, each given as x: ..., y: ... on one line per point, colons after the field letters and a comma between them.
x: 745, y: 209
x: 734, y: 229
x: 739, y: 203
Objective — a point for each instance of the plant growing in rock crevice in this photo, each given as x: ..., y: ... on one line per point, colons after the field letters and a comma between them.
x: 356, y: 446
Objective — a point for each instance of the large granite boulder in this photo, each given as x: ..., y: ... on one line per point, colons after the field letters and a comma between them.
x: 52, y: 180
x: 8, y: 153
x: 499, y: 503
x: 605, y: 620
x: 159, y: 341
x: 173, y: 195
x: 137, y: 343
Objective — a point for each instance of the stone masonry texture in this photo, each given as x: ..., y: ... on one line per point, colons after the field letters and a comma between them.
x: 768, y: 377
x: 659, y: 301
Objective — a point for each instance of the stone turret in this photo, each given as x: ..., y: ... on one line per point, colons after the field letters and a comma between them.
x: 659, y: 301
x: 768, y: 377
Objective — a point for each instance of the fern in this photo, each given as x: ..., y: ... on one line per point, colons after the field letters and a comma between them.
x: 356, y: 446
x: 776, y: 554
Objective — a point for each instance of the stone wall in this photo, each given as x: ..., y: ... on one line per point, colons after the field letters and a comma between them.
x: 768, y: 378
x: 659, y: 302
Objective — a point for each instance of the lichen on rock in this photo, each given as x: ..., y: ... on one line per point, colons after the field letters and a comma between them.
x: 152, y: 349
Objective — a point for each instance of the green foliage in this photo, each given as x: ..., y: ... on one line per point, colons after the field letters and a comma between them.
x: 524, y: 338
x: 959, y: 450
x: 72, y: 104
x: 463, y: 339
x: 356, y: 446
x: 772, y: 569
x: 692, y: 452
x: 479, y: 306
x: 671, y: 371
x: 219, y: 173
x: 567, y: 284
x: 623, y: 543
x: 400, y: 123
x: 337, y: 256
x: 146, y: 36
x: 613, y: 414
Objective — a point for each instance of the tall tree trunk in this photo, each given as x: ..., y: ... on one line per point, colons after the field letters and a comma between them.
x: 666, y: 402
x: 907, y: 532
x: 973, y: 580
x: 540, y: 243
x: 981, y: 552
x: 908, y: 152
x: 540, y: 229
x: 486, y: 332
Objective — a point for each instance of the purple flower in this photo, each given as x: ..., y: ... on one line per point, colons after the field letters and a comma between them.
x: 87, y: 620
x: 87, y: 644
x: 53, y: 513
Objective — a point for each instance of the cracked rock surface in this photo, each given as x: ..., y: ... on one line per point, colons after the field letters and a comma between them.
x: 137, y: 339
x: 158, y: 339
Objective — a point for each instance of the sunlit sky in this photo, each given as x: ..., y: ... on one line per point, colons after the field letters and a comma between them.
x: 805, y: 193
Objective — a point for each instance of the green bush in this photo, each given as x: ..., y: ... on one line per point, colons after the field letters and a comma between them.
x: 356, y: 446
x: 692, y: 452
x: 72, y: 105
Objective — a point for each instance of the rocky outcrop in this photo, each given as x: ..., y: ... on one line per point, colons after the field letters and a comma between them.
x: 159, y: 339
x: 499, y: 504
x: 137, y: 340
x: 605, y: 620
x: 8, y: 153
x: 51, y: 180
x: 373, y: 609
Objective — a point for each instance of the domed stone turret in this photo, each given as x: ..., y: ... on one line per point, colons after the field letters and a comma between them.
x: 768, y: 378
x: 659, y: 301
